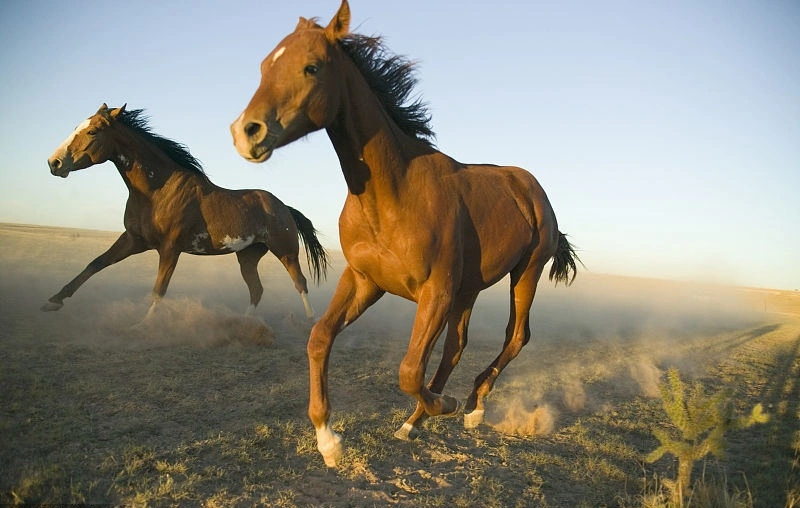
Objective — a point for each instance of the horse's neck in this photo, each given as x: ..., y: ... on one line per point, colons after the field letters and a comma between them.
x: 144, y: 169
x: 373, y: 151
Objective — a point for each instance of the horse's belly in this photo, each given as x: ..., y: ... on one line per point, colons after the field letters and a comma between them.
x: 206, y: 244
x: 389, y: 272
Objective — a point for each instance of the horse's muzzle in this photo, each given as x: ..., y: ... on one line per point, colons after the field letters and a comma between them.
x: 57, y: 167
x: 252, y: 139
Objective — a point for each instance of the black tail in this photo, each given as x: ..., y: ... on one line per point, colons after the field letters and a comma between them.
x: 564, y: 262
x: 315, y: 253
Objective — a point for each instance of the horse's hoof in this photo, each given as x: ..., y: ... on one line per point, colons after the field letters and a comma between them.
x: 333, y: 455
x: 407, y: 432
x: 331, y: 450
x: 473, y: 419
x: 51, y: 306
x: 452, y: 402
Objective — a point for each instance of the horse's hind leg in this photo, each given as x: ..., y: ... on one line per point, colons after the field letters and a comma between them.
x: 518, y: 333
x: 248, y: 264
x: 292, y: 266
x: 126, y: 245
x: 455, y: 342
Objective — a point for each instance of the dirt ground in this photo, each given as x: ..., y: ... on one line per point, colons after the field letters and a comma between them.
x: 203, y: 406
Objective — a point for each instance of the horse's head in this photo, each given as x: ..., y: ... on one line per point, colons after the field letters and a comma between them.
x: 85, y: 146
x: 299, y: 91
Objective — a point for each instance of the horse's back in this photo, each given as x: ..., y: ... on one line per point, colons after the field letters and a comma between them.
x: 508, y: 219
x: 503, y: 191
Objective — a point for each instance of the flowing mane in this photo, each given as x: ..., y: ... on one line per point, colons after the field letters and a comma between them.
x: 392, y: 79
x: 135, y: 119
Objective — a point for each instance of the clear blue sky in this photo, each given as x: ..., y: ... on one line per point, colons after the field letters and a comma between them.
x: 667, y: 134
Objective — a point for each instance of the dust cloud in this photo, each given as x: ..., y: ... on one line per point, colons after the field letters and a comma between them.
x: 600, y: 341
x: 204, y: 306
x: 608, y: 339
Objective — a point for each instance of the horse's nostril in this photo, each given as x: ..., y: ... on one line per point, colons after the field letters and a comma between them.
x: 252, y: 128
x: 55, y: 163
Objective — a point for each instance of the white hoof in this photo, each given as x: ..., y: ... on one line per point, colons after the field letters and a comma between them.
x: 51, y: 306
x: 473, y: 419
x: 329, y: 444
x: 407, y: 432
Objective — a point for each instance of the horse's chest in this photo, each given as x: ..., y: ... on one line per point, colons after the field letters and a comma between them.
x: 395, y: 270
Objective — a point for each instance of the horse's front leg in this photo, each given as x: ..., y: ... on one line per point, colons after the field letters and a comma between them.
x: 433, y: 307
x: 353, y: 295
x: 126, y: 245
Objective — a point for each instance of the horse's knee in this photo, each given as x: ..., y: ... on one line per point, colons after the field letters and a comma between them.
x: 319, y: 341
x: 409, y: 377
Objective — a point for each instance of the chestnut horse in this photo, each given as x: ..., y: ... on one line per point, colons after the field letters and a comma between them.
x: 416, y: 223
x: 173, y: 207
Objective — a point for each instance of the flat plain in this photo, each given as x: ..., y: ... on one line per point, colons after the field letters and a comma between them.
x: 202, y: 406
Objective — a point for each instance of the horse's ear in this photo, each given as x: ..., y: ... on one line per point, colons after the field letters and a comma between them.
x: 340, y: 24
x: 116, y: 112
x: 102, y: 108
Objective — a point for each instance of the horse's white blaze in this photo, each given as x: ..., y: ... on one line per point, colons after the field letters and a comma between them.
x: 63, y: 146
x: 278, y: 54
x: 238, y: 243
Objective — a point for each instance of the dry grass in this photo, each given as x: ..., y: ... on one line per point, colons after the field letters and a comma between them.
x: 205, y: 408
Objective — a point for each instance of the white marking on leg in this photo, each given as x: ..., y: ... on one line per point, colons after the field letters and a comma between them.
x: 151, y: 311
x: 473, y: 419
x: 406, y: 432
x: 278, y: 54
x: 309, y: 309
x: 251, y: 309
x: 329, y: 444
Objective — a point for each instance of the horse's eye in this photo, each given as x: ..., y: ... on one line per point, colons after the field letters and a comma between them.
x: 310, y: 70
x: 91, y: 132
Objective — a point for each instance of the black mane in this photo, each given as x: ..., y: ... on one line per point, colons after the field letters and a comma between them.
x: 392, y: 79
x: 136, y: 120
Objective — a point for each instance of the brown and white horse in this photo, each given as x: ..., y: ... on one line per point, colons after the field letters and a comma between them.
x: 173, y: 207
x: 416, y: 223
